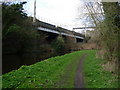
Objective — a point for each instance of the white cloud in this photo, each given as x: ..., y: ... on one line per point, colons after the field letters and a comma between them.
x: 60, y: 12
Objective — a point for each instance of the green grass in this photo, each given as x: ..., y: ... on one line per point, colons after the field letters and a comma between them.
x: 59, y: 72
x: 54, y: 72
x: 0, y: 82
x: 95, y: 76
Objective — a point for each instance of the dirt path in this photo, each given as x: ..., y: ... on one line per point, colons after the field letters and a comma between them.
x: 79, y: 81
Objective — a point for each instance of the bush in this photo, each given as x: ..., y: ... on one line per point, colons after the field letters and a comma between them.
x: 109, y: 33
x: 18, y: 40
x: 58, y: 46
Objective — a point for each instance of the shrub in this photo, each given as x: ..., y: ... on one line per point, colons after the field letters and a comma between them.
x: 58, y: 46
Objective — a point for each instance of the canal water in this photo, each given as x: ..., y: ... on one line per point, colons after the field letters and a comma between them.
x: 13, y: 62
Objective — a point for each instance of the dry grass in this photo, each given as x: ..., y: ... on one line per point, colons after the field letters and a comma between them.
x: 89, y: 46
x: 111, y: 66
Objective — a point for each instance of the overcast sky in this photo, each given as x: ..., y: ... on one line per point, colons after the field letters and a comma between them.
x: 59, y: 12
x: 64, y: 13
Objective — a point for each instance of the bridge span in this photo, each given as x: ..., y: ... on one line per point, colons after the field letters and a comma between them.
x: 54, y: 31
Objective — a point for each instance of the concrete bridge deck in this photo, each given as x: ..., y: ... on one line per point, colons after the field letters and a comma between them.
x: 46, y: 27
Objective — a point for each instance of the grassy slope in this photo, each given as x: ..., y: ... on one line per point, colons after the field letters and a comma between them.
x: 95, y: 76
x: 60, y: 72
x: 47, y: 73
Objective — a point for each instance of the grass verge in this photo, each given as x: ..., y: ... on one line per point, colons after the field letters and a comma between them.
x: 59, y: 72
x: 95, y: 76
x: 54, y: 72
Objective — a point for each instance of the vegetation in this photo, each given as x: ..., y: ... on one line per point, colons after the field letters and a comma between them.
x: 94, y: 74
x: 17, y: 30
x: 107, y: 31
x: 12, y: 14
x: 45, y: 74
x: 60, y: 72
x: 58, y: 46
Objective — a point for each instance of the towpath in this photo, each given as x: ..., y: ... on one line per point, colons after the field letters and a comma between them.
x: 79, y: 79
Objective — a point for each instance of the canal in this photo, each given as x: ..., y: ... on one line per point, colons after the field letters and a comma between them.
x: 13, y: 62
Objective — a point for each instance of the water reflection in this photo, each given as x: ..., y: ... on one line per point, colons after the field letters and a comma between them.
x: 12, y: 62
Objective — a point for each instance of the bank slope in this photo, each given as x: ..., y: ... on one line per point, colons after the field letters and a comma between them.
x: 95, y: 76
x: 54, y: 72
x: 59, y: 72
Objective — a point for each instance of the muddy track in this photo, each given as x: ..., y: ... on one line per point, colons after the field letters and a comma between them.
x: 79, y: 80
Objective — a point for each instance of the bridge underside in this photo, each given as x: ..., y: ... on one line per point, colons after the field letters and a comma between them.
x: 53, y: 32
x: 52, y: 35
